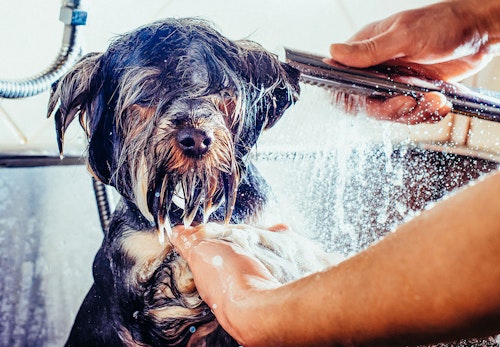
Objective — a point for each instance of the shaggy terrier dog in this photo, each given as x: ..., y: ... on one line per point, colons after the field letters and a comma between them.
x: 171, y: 111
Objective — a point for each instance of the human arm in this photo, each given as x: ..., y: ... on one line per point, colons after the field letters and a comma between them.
x: 449, y: 40
x: 436, y: 278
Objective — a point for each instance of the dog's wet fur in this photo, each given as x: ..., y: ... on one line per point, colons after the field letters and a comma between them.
x: 171, y: 112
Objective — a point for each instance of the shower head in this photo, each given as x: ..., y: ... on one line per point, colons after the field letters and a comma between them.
x: 379, y: 81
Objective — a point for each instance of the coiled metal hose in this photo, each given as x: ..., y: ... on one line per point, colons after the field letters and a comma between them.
x: 73, y: 17
x: 101, y: 198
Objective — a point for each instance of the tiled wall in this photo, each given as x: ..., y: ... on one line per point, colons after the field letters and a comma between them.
x: 32, y: 34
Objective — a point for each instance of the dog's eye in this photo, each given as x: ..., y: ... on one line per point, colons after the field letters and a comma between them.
x: 226, y: 94
x: 179, y: 118
x: 145, y: 102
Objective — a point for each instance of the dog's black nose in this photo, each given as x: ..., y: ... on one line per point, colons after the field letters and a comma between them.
x: 194, y: 142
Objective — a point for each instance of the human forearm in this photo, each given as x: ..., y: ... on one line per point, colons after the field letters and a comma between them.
x: 434, y: 279
x: 449, y: 40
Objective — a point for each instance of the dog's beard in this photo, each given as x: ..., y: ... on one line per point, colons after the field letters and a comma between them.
x: 162, y: 173
x: 195, y: 183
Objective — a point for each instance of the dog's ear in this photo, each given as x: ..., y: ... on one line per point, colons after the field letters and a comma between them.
x: 278, y: 81
x: 74, y: 95
x: 284, y: 94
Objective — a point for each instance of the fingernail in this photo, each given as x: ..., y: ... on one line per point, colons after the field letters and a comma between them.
x: 340, y: 48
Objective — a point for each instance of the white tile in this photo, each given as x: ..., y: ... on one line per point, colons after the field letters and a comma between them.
x: 31, y: 37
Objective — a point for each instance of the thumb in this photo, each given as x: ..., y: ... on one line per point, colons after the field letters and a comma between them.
x: 183, y: 239
x: 369, y: 52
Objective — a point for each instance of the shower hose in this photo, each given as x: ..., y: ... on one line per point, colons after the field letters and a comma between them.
x: 73, y: 17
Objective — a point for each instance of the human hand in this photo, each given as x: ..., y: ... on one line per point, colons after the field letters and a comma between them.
x: 204, y: 246
x: 445, y: 41
x: 430, y: 107
x: 224, y: 272
x: 445, y: 37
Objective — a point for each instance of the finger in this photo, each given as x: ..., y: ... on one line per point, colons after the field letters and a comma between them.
x: 278, y: 227
x: 184, y: 239
x: 366, y: 53
x: 176, y: 231
x: 390, y: 109
x: 432, y: 107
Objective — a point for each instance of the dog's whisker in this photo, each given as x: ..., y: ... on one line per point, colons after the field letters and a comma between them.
x: 164, y: 228
x: 164, y: 202
x: 161, y: 231
x: 141, y: 187
x: 230, y: 188
x: 207, y: 210
x: 208, y: 203
x: 193, y: 196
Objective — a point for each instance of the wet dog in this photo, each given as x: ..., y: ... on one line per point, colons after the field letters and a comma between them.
x: 171, y: 111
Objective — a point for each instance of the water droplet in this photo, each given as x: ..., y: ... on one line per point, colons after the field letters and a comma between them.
x: 214, y: 306
x: 157, y: 194
x: 217, y: 260
x: 192, y: 329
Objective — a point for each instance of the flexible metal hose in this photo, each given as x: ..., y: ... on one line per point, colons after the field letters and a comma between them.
x: 73, y: 17
x: 101, y: 197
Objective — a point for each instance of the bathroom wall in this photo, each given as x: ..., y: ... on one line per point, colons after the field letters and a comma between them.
x: 32, y: 35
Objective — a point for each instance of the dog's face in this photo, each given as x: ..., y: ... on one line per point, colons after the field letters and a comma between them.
x: 172, y: 109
